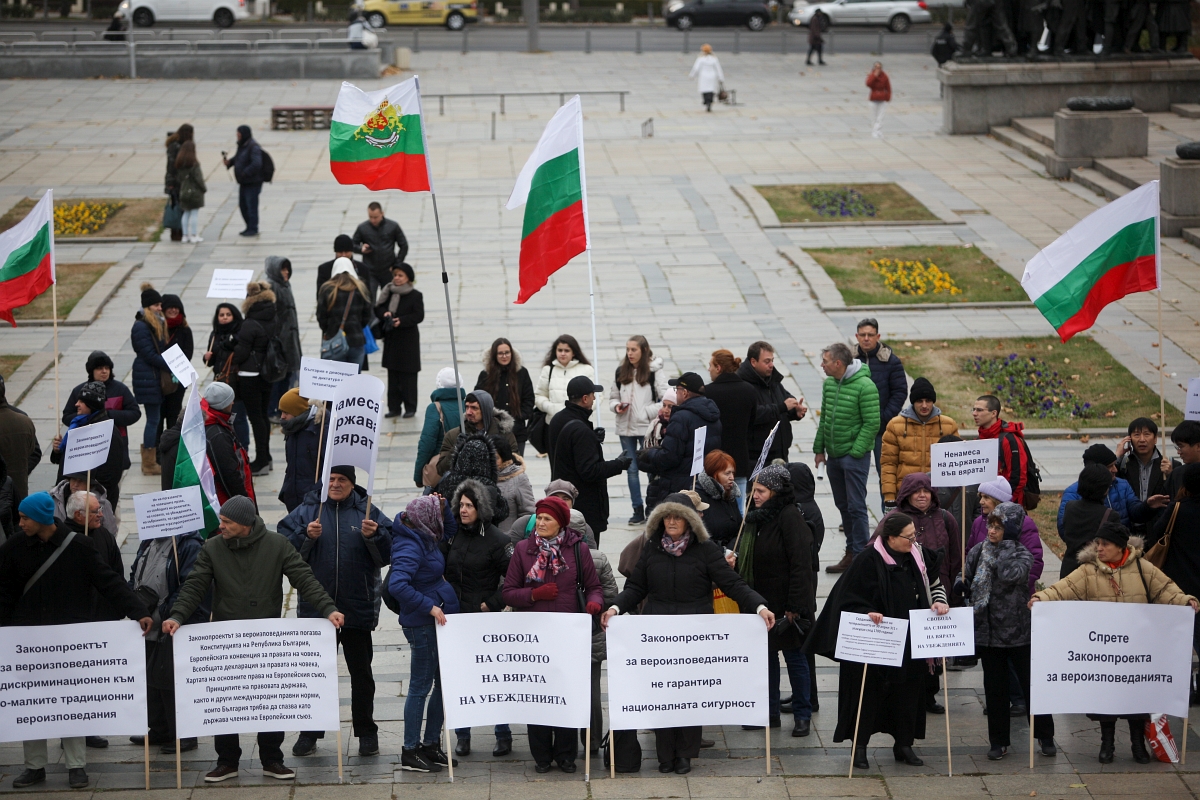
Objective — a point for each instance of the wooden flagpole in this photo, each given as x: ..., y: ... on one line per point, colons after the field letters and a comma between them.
x: 339, y: 747
x: 857, y: 720
x: 1183, y: 752
x: 768, y: 732
x: 587, y: 755
x: 612, y: 756
x: 146, y: 757
x: 946, y: 701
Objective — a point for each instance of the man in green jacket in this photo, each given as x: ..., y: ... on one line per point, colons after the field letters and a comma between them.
x: 245, y: 566
x: 845, y: 441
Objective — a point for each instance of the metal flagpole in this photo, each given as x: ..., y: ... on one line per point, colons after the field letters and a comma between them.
x: 449, y: 315
x: 54, y: 313
x: 595, y: 342
x: 1162, y: 400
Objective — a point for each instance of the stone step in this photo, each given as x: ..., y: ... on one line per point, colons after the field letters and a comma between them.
x: 1192, y: 236
x: 1129, y: 172
x: 1040, y: 129
x: 1098, y: 183
x: 1019, y: 141
x: 1188, y: 110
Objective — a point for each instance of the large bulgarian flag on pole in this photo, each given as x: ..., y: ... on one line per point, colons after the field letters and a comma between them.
x: 378, y: 138
x: 1111, y: 253
x: 553, y: 188
x: 27, y: 258
x: 191, y: 459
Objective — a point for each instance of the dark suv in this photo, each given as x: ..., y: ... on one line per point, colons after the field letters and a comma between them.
x: 687, y: 14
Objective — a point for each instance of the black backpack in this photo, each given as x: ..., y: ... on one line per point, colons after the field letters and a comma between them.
x: 268, y: 166
x: 274, y: 367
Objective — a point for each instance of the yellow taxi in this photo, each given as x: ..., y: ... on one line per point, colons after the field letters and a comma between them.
x: 454, y: 15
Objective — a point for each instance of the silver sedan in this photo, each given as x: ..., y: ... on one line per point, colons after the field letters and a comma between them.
x: 897, y: 15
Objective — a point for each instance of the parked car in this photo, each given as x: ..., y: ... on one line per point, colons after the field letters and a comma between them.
x: 454, y: 16
x: 687, y: 14
x: 897, y: 15
x: 144, y: 13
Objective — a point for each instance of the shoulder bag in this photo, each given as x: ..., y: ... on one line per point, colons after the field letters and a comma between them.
x: 537, y: 430
x: 166, y: 379
x: 336, y: 347
x: 48, y: 562
x: 1157, y: 555
x: 429, y: 472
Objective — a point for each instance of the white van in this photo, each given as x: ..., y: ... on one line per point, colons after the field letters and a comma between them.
x: 144, y: 13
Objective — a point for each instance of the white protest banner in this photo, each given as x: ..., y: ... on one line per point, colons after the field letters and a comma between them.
x: 180, y: 366
x: 1192, y: 409
x: 698, y: 450
x: 516, y: 668
x: 353, y: 436
x: 944, y: 636
x: 168, y: 513
x: 964, y: 463
x: 320, y: 378
x: 87, y: 679
x: 1110, y: 658
x: 694, y: 669
x: 859, y: 639
x: 252, y: 675
x: 229, y: 284
x: 87, y: 447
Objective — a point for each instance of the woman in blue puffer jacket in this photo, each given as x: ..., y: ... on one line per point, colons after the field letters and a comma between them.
x: 149, y: 337
x: 418, y: 584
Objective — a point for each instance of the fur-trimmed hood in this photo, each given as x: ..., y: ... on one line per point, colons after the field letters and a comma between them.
x: 517, y: 467
x: 708, y: 486
x: 1087, y: 555
x: 504, y: 420
x: 654, y: 525
x: 257, y: 292
x: 483, y: 500
x: 514, y: 366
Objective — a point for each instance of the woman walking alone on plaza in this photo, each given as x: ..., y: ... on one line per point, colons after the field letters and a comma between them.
x: 564, y: 361
x: 636, y: 397
x: 227, y: 321
x: 151, y: 375
x: 881, y: 95
x: 708, y: 75
x: 287, y: 328
x: 343, y: 304
x: 249, y: 355
x: 400, y: 310
x: 817, y: 25
x: 178, y: 333
x: 191, y: 190
x: 509, y: 384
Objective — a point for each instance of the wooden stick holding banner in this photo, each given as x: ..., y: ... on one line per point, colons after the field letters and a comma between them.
x: 1031, y: 741
x: 861, y: 639
x: 612, y: 756
x: 87, y: 503
x: 942, y: 636
x: 178, y: 765
x: 1183, y: 751
x: 768, y: 732
x: 339, y: 747
x: 587, y: 755
x: 946, y: 703
x: 449, y: 752
x: 321, y: 440
x: 857, y: 719
x: 146, y: 756
x: 762, y: 460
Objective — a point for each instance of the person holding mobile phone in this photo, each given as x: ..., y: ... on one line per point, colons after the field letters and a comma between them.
x: 637, y: 394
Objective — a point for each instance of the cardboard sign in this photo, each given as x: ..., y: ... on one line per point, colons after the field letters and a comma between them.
x: 246, y: 676
x: 1192, y: 408
x: 859, y: 639
x: 694, y: 669
x: 180, y: 366
x: 229, y: 284
x: 964, y: 463
x: 168, y: 513
x: 516, y: 668
x: 353, y: 429
x: 698, y: 450
x: 1110, y: 658
x: 944, y: 636
x: 87, y: 447
x: 320, y: 378
x: 86, y: 679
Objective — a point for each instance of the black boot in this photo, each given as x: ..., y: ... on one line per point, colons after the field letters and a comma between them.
x: 1137, y: 739
x: 860, y: 758
x: 905, y: 755
x: 1108, y: 730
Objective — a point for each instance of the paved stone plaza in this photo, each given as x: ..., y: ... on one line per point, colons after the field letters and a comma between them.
x: 679, y: 257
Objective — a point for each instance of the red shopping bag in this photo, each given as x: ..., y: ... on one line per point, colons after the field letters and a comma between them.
x: 1158, y: 734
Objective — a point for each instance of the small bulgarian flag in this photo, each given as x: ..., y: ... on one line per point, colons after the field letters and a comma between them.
x: 1111, y: 253
x: 553, y: 188
x: 378, y: 138
x: 27, y: 258
x: 191, y: 460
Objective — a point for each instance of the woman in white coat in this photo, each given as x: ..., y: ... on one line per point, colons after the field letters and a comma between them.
x: 637, y: 393
x: 564, y: 361
x: 708, y: 74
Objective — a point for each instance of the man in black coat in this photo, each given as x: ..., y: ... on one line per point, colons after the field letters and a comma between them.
x: 105, y: 541
x: 1186, y: 438
x: 18, y: 445
x: 888, y: 375
x: 775, y: 403
x: 577, y: 453
x: 343, y: 247
x: 382, y: 244
x: 737, y: 401
x: 61, y: 595
x: 247, y: 166
x: 671, y: 462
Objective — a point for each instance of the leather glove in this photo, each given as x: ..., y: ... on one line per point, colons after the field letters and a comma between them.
x: 599, y: 435
x: 547, y: 591
x: 641, y: 455
x: 593, y: 607
x: 624, y: 460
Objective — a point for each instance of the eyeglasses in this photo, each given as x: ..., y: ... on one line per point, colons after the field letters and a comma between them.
x: 912, y: 538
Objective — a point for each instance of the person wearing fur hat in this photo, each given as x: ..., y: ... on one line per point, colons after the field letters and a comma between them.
x: 476, y: 563
x: 301, y: 443
x: 1120, y: 498
x: 344, y: 304
x: 908, y: 437
x: 481, y: 418
x: 991, y: 494
x: 1083, y: 515
x: 441, y: 416
x: 89, y: 409
x: 513, y: 483
x: 997, y: 572
x: 1111, y: 569
x: 346, y: 548
x: 150, y: 372
x: 475, y: 459
x: 675, y: 574
x: 122, y: 408
x: 400, y: 309
x: 508, y: 382
x: 249, y: 356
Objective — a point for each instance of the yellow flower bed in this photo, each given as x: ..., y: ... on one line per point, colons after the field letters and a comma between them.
x: 914, y: 277
x: 80, y: 219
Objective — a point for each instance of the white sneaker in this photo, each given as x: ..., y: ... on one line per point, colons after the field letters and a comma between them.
x: 187, y: 239
x: 197, y: 239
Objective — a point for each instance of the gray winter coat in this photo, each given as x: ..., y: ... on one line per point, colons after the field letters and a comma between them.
x: 287, y: 328
x: 1005, y: 621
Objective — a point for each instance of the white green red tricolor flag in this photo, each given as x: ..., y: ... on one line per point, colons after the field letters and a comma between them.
x: 1111, y: 253
x: 378, y: 138
x: 553, y: 189
x: 27, y: 258
x: 191, y: 460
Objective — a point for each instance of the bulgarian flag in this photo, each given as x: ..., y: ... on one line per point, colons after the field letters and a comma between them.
x: 378, y: 139
x: 191, y: 460
x: 1109, y: 254
x: 27, y: 258
x: 553, y: 188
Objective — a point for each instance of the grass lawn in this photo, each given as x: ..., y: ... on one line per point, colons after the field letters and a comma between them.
x: 9, y: 365
x: 1086, y: 368
x: 73, y: 282
x: 140, y: 217
x: 1046, y: 517
x: 980, y: 280
x: 891, y: 202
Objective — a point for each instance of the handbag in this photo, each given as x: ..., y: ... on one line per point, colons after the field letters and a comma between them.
x: 722, y: 95
x: 429, y: 472
x: 166, y: 379
x: 172, y: 215
x: 581, y: 595
x: 335, y: 348
x: 537, y: 430
x: 371, y: 345
x: 1157, y: 555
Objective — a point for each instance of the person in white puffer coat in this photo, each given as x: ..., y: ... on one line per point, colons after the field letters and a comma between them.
x: 636, y: 398
x: 564, y: 361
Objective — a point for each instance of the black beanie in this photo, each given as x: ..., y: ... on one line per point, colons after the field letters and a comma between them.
x: 345, y: 471
x: 1099, y: 454
x: 93, y: 394
x: 96, y: 360
x: 1114, y: 532
x: 343, y: 244
x: 173, y: 301
x: 150, y: 296
x: 922, y: 389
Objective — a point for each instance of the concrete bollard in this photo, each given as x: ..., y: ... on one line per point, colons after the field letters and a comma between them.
x: 402, y: 58
x: 637, y: 46
x: 587, y: 41
x: 686, y: 36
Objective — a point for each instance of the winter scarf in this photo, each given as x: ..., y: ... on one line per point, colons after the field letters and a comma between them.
x: 981, y: 590
x: 676, y: 546
x: 756, y: 520
x: 77, y: 422
x: 424, y: 515
x: 549, y: 559
x: 215, y: 417
x: 883, y: 551
x: 390, y: 294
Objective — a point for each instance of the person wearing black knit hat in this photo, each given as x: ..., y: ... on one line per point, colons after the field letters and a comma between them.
x: 908, y: 437
x: 90, y: 409
x: 1121, y: 498
x: 151, y: 375
x: 122, y: 408
x: 178, y: 333
x: 343, y: 247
